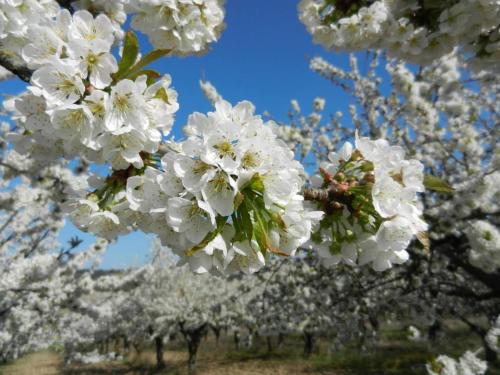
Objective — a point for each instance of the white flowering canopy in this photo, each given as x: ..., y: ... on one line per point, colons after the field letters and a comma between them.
x: 230, y: 194
x: 413, y: 30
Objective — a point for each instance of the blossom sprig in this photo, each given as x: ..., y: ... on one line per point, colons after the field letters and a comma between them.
x: 101, y: 207
x: 226, y: 197
x: 82, y: 102
x: 467, y: 364
x: 183, y: 26
x: 229, y: 193
x: 369, y: 196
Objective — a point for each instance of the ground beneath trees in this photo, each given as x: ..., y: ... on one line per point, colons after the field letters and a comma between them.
x: 393, y: 355
x: 50, y: 363
x: 43, y: 363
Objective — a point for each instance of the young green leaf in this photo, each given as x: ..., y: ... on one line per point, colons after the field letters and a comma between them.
x: 436, y: 184
x: 221, y: 221
x: 148, y: 59
x: 129, y: 55
x: 151, y: 74
x: 246, y: 220
x: 238, y: 199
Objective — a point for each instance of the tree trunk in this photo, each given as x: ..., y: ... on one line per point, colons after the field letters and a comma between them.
x: 269, y: 344
x: 117, y: 347
x: 216, y: 331
x: 308, y: 344
x: 160, y: 362
x: 490, y: 355
x: 281, y: 339
x: 250, y: 336
x: 137, y: 348
x: 237, y: 340
x: 434, y: 330
x: 100, y: 347
x: 126, y: 344
x: 193, y: 337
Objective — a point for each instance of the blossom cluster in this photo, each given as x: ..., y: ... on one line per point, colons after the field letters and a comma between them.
x: 412, y: 30
x: 16, y: 19
x: 94, y: 357
x: 20, y: 21
x: 76, y: 106
x: 370, y: 196
x: 492, y: 337
x: 181, y: 26
x: 467, y: 364
x: 484, y: 239
x: 228, y: 195
x: 114, y: 10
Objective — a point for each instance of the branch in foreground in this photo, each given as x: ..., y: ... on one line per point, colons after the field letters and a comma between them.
x: 21, y: 71
x: 66, y: 4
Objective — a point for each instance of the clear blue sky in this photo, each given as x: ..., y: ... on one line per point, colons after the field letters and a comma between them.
x: 262, y: 57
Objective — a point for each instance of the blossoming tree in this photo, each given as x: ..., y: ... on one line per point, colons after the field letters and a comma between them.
x: 219, y: 197
x: 233, y: 193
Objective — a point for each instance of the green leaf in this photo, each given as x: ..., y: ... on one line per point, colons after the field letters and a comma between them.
x: 261, y: 230
x: 151, y: 74
x: 238, y: 199
x: 261, y: 234
x: 148, y: 59
x: 278, y: 220
x: 256, y: 183
x: 221, y: 221
x: 129, y: 55
x: 162, y: 95
x: 238, y: 227
x: 436, y: 184
x: 246, y: 221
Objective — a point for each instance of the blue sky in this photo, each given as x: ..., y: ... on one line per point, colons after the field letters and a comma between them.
x: 262, y: 56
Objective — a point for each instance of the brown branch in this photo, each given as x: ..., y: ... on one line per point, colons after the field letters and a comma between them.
x: 448, y: 246
x: 320, y: 195
x: 67, y: 5
x: 21, y: 71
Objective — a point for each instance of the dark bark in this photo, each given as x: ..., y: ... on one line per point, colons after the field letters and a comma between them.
x: 137, y: 348
x: 21, y: 71
x: 160, y: 362
x: 434, y: 330
x: 281, y: 340
x: 193, y: 338
x: 100, y: 347
x: 216, y: 331
x: 454, y: 247
x: 66, y: 4
x: 250, y: 337
x: 269, y: 344
x: 117, y: 346
x: 126, y: 344
x: 237, y: 340
x: 490, y: 355
x: 308, y: 344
